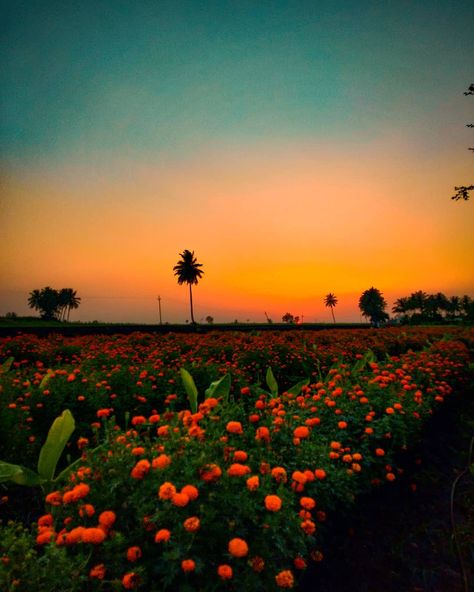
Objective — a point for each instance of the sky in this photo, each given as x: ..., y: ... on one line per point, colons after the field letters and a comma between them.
x: 297, y: 147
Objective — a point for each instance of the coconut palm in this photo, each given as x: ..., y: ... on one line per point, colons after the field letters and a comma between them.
x: 71, y: 299
x: 188, y: 272
x: 330, y: 301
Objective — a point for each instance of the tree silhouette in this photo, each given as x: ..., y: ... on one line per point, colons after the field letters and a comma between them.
x: 372, y: 305
x: 330, y: 301
x: 188, y: 272
x: 462, y: 191
x: 46, y: 301
x: 71, y: 300
x: 288, y: 318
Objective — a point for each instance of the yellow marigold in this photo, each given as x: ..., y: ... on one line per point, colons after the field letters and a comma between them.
x: 272, y: 503
x: 234, y: 427
x: 238, y: 470
x: 192, y: 524
x: 224, y: 572
x: 162, y: 536
x: 166, y: 491
x: 238, y: 547
x: 285, y: 579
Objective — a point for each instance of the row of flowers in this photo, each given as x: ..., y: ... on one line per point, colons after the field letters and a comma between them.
x: 236, y: 495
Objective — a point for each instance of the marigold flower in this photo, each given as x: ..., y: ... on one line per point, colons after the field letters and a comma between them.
x: 224, y: 572
x: 234, y: 427
x: 238, y: 470
x: 257, y: 563
x: 390, y: 477
x: 166, y: 491
x: 192, y: 524
x: 86, y: 510
x: 107, y: 518
x: 188, y: 565
x: 98, y: 571
x: 299, y: 477
x: 238, y: 547
x: 210, y: 473
x: 380, y: 452
x: 342, y: 425
x: 279, y: 474
x: 191, y: 491
x: 162, y: 536
x: 138, y: 451
x: 285, y: 579
x: 253, y: 483
x: 134, y: 553
x: 308, y: 526
x: 46, y: 536
x: 299, y: 563
x: 46, y: 520
x: 180, y: 499
x: 301, y: 432
x: 103, y: 413
x: 140, y: 469
x: 93, y: 535
x: 240, y: 456
x: 138, y: 420
x: 307, y: 503
x: 262, y: 433
x: 74, y: 536
x: 131, y: 580
x: 272, y: 503
x: 161, y: 462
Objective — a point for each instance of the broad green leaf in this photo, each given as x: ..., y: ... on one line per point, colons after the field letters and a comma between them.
x: 7, y: 364
x: 46, y: 378
x: 18, y: 474
x: 271, y: 382
x: 219, y: 388
x: 58, y: 436
x: 190, y: 388
x: 296, y: 388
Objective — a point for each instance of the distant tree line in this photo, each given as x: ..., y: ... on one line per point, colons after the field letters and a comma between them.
x: 54, y: 304
x: 421, y: 307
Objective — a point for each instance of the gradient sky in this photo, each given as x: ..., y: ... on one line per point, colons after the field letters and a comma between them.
x: 298, y: 147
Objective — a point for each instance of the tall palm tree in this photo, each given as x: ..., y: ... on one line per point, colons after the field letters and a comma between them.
x: 188, y: 272
x: 72, y: 300
x: 330, y: 301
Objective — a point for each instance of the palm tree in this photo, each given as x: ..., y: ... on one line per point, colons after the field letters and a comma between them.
x: 46, y: 301
x: 188, y: 272
x: 71, y: 298
x: 330, y: 301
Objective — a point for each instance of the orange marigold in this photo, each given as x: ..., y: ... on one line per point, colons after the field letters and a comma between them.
x: 257, y: 563
x: 253, y: 483
x: 93, y: 535
x: 240, y: 456
x: 134, y: 553
x: 234, y: 427
x: 161, y: 462
x: 210, y: 473
x: 301, y: 432
x: 279, y: 474
x: 162, y: 536
x: 307, y: 503
x: 98, y: 571
x: 192, y: 524
x: 238, y: 470
x: 191, y: 491
x: 224, y: 572
x: 131, y: 580
x: 54, y: 498
x: 166, y: 491
x: 272, y: 503
x: 188, y: 565
x: 285, y: 579
x: 238, y: 547
x: 262, y: 433
x: 180, y: 499
x: 107, y: 519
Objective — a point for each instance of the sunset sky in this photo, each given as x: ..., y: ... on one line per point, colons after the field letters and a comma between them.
x: 298, y: 147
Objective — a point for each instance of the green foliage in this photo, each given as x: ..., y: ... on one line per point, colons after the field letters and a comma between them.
x: 190, y: 387
x: 219, y: 388
x: 271, y: 382
x: 7, y: 364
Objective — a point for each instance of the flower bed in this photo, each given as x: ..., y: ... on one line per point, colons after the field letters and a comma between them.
x: 235, y: 494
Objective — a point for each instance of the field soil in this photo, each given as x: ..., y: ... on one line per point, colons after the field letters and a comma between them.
x: 400, y: 537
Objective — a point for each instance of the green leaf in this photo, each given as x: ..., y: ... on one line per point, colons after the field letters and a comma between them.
x: 271, y: 382
x: 296, y: 388
x: 66, y: 472
x: 7, y: 364
x: 219, y: 388
x: 58, y: 436
x: 18, y: 474
x: 46, y: 378
x: 190, y: 389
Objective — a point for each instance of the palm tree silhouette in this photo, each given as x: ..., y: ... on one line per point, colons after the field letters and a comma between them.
x: 71, y: 300
x: 330, y: 301
x: 188, y: 272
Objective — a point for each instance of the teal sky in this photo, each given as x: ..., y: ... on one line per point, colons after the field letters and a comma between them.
x: 85, y: 79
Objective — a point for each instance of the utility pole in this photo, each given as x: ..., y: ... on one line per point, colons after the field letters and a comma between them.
x: 159, y: 307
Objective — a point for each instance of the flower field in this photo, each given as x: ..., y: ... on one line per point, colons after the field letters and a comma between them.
x: 206, y: 462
